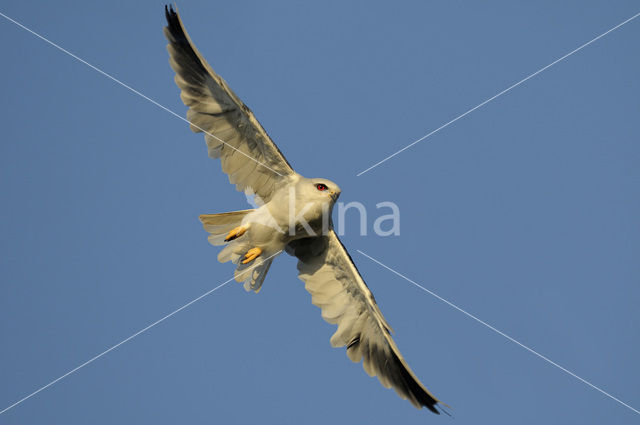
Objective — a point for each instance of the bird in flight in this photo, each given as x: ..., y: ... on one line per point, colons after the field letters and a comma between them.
x: 294, y: 215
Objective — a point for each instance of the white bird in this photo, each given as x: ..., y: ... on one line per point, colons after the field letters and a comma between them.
x: 294, y: 216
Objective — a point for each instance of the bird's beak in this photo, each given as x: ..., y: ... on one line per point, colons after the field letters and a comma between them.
x: 334, y: 195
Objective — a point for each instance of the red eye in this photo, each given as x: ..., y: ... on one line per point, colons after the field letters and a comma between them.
x: 321, y: 186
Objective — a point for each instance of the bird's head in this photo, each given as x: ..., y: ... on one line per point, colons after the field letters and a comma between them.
x: 318, y: 190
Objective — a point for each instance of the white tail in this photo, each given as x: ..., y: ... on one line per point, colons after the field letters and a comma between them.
x: 219, y: 225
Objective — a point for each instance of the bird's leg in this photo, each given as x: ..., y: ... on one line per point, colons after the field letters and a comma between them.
x: 236, y: 233
x: 251, y: 255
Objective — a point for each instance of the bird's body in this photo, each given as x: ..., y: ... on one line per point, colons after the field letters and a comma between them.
x: 297, y: 209
x: 294, y: 216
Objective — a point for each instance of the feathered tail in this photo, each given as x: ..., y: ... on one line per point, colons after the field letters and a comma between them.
x: 218, y: 226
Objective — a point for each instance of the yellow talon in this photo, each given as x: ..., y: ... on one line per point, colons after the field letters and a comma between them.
x: 251, y: 255
x: 235, y: 233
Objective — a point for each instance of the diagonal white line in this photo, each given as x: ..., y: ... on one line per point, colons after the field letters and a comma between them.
x: 129, y: 338
x: 111, y: 77
x: 498, y: 95
x: 499, y: 332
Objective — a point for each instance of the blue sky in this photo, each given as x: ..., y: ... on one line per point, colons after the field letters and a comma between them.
x: 524, y: 213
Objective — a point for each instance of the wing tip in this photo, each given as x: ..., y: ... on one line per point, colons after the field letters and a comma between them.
x: 439, y: 407
x: 426, y: 399
x: 171, y: 12
x: 174, y: 24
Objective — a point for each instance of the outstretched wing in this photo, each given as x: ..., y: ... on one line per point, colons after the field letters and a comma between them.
x: 232, y: 132
x: 338, y: 289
